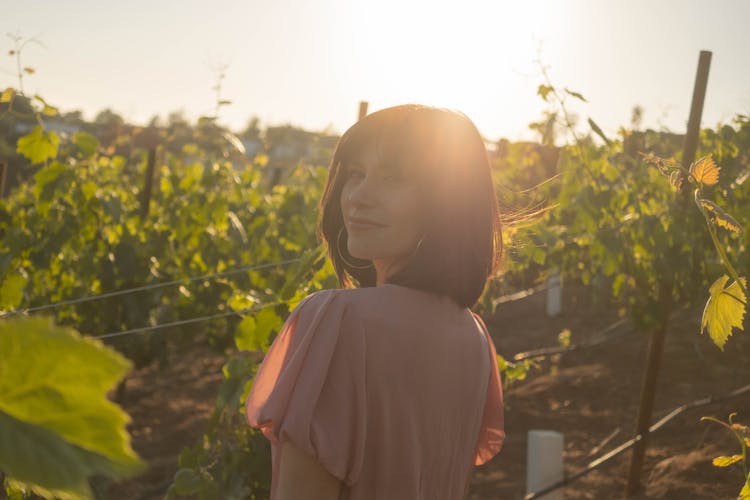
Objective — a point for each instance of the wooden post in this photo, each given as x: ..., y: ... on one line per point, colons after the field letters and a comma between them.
x: 148, y: 182
x: 362, y: 109
x: 149, y: 140
x: 3, y: 180
x: 656, y: 342
x: 696, y: 109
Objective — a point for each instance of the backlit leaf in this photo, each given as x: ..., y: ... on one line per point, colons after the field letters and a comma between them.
x: 577, y: 95
x: 725, y: 309
x: 57, y: 426
x: 598, y: 131
x: 47, y: 109
x: 726, y: 461
x: 253, y: 332
x: 7, y: 95
x: 705, y: 171
x: 38, y: 145
x: 544, y: 90
x: 87, y: 143
x: 745, y: 492
x: 720, y: 217
x: 11, y: 290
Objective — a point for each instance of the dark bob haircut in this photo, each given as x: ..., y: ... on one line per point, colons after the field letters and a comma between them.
x: 463, y: 245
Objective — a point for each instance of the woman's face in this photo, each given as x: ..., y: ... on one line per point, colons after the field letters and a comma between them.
x: 389, y: 199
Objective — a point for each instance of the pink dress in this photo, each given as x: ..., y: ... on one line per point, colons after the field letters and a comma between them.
x: 396, y: 391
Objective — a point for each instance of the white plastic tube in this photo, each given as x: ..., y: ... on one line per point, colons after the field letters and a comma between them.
x: 554, y: 294
x: 544, y: 462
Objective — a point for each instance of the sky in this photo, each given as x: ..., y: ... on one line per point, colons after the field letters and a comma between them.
x: 309, y: 63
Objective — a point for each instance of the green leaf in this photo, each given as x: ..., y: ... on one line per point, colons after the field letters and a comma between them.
x: 47, y: 176
x: 38, y: 145
x: 563, y: 338
x: 87, y: 143
x: 186, y: 482
x: 237, y: 372
x: 192, y: 175
x: 544, y: 90
x: 539, y: 256
x: 577, y: 95
x: 56, y: 424
x: 725, y: 309
x: 88, y: 189
x: 11, y: 291
x: 598, y: 131
x: 253, y: 331
x: 726, y: 461
x: 47, y: 108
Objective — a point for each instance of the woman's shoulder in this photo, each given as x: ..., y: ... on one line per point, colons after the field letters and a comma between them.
x: 347, y: 295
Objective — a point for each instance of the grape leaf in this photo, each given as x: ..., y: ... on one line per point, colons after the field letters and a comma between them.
x: 705, y: 170
x: 7, y: 95
x: 253, y: 332
x: 56, y: 424
x: 87, y: 143
x: 726, y: 461
x: 725, y: 309
x: 721, y: 218
x: 38, y: 145
x: 745, y: 492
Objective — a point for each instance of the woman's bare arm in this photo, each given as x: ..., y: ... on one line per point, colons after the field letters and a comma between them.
x: 303, y: 477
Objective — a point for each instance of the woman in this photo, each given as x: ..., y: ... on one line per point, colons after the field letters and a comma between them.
x: 390, y: 390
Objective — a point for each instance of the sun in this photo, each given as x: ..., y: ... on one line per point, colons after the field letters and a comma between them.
x: 472, y: 56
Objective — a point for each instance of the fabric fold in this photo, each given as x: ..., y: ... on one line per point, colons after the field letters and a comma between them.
x: 492, y: 429
x: 310, y: 388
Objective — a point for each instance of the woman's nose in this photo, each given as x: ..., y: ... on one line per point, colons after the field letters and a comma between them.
x: 364, y: 192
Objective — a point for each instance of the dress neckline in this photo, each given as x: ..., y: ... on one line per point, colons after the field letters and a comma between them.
x: 418, y: 291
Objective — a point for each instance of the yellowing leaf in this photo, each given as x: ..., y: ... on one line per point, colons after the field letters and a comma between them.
x: 725, y: 309
x: 705, y: 170
x: 47, y: 108
x: 745, y: 492
x: 721, y: 218
x: 7, y: 95
x: 261, y: 159
x: 726, y: 461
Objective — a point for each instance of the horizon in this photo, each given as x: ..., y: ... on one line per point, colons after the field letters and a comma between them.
x: 486, y: 71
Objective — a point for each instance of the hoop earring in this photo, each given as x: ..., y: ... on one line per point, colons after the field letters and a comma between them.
x: 338, y: 250
x: 417, y: 247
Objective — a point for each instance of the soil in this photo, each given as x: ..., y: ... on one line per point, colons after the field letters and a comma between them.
x: 589, y: 395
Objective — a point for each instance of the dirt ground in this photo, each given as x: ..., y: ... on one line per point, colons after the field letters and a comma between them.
x: 589, y: 395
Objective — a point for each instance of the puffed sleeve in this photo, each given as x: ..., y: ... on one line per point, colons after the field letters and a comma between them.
x: 310, y: 387
x: 492, y: 429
